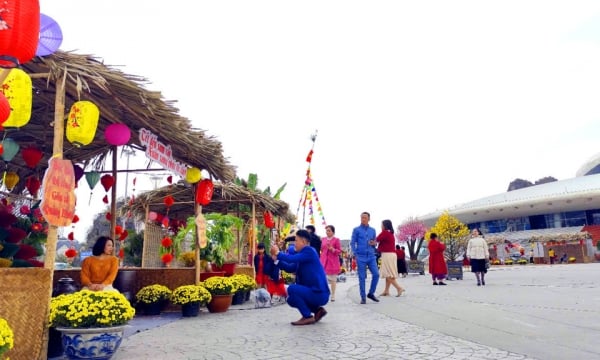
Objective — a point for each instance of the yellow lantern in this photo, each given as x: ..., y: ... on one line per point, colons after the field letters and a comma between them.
x: 82, y: 123
x: 11, y: 179
x: 193, y: 175
x: 18, y: 91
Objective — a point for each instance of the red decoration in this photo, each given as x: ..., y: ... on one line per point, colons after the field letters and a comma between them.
x: 268, y: 217
x: 170, y: 179
x: 32, y: 156
x: 166, y: 242
x: 117, y: 134
x: 105, y: 199
x: 71, y: 253
x: 204, y: 192
x: 25, y: 252
x: 71, y: 236
x: 107, y: 181
x: 167, y: 258
x: 75, y: 219
x: 20, y: 32
x: 169, y: 201
x: 121, y: 253
x: 108, y: 216
x: 123, y: 235
x: 165, y: 222
x: 4, y: 109
x: 36, y: 227
x: 15, y: 235
x: 118, y: 229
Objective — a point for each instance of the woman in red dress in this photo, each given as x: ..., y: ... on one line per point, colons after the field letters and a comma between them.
x: 437, y: 262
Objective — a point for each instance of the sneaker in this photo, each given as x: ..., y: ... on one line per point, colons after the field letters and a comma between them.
x: 372, y: 297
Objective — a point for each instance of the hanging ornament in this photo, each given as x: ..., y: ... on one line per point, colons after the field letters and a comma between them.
x: 170, y: 179
x: 152, y: 216
x: 165, y: 222
x: 75, y: 219
x: 33, y: 184
x: 18, y: 91
x: 105, y: 199
x: 71, y: 236
x: 32, y: 156
x: 82, y: 123
x: 117, y: 134
x: 123, y: 235
x: 107, y: 181
x: 108, y: 216
x: 268, y: 217
x: 50, y: 36
x: 193, y: 175
x: 92, y: 179
x: 118, y: 230
x: 204, y: 192
x: 11, y: 179
x: 20, y: 31
x: 169, y: 201
x: 71, y: 253
x: 4, y: 108
x: 11, y: 148
x: 78, y: 170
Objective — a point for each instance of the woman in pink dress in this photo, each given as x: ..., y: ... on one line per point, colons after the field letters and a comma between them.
x: 331, y: 249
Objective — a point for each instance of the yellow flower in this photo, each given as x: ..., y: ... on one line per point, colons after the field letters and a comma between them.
x: 220, y: 285
x: 90, y: 309
x: 153, y: 293
x: 7, y: 339
x: 243, y: 282
x: 190, y: 294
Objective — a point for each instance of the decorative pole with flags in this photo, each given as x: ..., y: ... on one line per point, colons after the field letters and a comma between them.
x: 309, y: 195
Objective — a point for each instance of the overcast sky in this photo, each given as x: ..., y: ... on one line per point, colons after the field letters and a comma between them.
x: 419, y: 106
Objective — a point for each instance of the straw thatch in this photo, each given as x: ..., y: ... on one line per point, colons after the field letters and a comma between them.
x: 227, y: 198
x: 121, y: 98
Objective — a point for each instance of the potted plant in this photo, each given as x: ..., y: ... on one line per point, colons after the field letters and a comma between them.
x: 220, y: 232
x: 245, y: 284
x: 190, y: 297
x: 153, y: 298
x: 221, y: 289
x: 91, y: 322
x: 7, y: 337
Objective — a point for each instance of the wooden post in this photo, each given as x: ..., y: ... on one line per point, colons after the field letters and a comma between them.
x: 145, y: 244
x: 113, y: 198
x: 253, y: 231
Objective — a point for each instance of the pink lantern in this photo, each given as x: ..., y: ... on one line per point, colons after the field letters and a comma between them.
x: 152, y: 216
x: 117, y: 134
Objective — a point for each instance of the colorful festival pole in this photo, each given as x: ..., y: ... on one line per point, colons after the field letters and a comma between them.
x: 309, y: 192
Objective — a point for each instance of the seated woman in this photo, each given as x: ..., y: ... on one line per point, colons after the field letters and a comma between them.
x: 100, y: 270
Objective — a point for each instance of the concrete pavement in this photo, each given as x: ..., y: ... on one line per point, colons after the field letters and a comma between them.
x: 524, y: 312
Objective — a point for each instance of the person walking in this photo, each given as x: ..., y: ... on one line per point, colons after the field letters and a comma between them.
x: 478, y: 253
x: 401, y: 261
x: 315, y: 240
x: 363, y: 244
x: 437, y: 263
x: 331, y: 249
x: 389, y: 268
x: 310, y: 292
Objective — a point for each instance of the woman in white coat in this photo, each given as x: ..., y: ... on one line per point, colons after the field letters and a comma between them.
x: 478, y: 253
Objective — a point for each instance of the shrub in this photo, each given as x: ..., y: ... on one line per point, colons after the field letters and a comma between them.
x: 153, y: 293
x: 90, y: 309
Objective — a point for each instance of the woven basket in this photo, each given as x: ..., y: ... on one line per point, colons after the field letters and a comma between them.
x: 24, y: 303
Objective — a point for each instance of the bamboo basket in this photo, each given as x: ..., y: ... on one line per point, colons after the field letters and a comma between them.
x: 24, y: 302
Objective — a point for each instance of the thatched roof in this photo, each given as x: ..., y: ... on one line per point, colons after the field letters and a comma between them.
x: 226, y: 199
x: 121, y: 98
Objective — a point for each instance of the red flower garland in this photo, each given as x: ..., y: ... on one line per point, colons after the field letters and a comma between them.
x: 166, y: 242
x: 167, y: 258
x: 71, y: 253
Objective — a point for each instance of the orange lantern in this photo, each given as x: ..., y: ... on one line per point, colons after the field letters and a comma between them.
x: 82, y: 123
x: 18, y: 91
x: 11, y: 179
x: 20, y: 32
x: 204, y: 192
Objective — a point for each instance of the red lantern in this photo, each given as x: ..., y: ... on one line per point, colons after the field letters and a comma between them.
x: 121, y: 253
x: 108, y: 216
x: 204, y: 192
x: 71, y: 253
x: 117, y: 134
x: 105, y: 199
x: 124, y: 235
x: 33, y: 185
x: 268, y: 217
x: 118, y: 230
x: 71, y: 236
x: 75, y: 219
x: 4, y: 108
x: 19, y: 31
x: 167, y: 258
x: 107, y: 181
x: 32, y: 156
x: 169, y: 201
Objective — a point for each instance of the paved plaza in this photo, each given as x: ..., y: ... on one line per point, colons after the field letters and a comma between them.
x: 524, y: 312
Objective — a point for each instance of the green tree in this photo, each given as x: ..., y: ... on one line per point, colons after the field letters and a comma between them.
x: 453, y: 233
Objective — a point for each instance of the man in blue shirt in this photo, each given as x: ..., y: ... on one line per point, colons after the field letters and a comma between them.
x: 363, y: 247
x: 310, y: 292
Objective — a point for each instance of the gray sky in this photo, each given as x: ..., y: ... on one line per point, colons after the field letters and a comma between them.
x: 419, y: 106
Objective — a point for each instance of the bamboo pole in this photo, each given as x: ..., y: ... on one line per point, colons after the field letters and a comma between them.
x: 197, y: 210
x: 253, y: 227
x: 113, y: 197
x: 145, y: 243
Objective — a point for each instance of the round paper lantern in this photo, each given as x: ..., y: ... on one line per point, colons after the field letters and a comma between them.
x: 33, y: 185
x: 82, y: 123
x: 11, y: 179
x: 4, y: 108
x: 107, y: 181
x: 193, y: 175
x: 204, y: 192
x: 32, y: 156
x: 169, y: 201
x: 117, y: 134
x: 152, y: 215
x: 20, y: 31
x: 50, y: 36
x: 18, y: 91
x: 92, y: 179
x: 11, y: 148
x: 268, y: 217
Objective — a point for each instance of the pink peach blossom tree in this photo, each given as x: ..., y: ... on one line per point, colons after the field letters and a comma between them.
x: 412, y: 231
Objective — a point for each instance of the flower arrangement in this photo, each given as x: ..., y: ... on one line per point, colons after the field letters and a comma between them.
x: 84, y: 309
x: 572, y: 259
x: 166, y: 250
x: 508, y: 262
x: 188, y: 258
x: 190, y: 294
x: 522, y: 262
x: 244, y: 282
x: 220, y: 285
x: 495, y: 262
x: 287, y: 277
x: 7, y: 338
x: 153, y: 293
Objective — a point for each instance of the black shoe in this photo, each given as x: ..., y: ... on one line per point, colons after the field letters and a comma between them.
x: 482, y: 282
x: 363, y: 301
x: 478, y: 283
x: 372, y: 297
x: 435, y: 283
x: 320, y: 313
x: 442, y: 283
